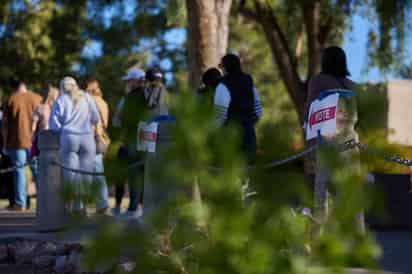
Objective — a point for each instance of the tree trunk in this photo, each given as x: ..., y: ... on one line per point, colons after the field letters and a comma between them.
x: 311, y: 14
x: 286, y: 62
x: 208, y: 32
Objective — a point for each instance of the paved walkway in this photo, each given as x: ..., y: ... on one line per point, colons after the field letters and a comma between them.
x: 396, y: 244
x: 397, y: 250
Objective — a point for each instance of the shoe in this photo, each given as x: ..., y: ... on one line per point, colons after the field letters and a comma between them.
x: 133, y: 214
x: 16, y: 208
x: 102, y: 211
x: 116, y: 211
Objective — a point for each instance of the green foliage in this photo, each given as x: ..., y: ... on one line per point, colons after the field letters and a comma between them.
x: 40, y: 40
x: 387, y: 46
x: 224, y: 233
x: 264, y: 235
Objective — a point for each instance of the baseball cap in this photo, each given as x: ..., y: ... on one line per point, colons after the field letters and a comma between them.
x: 136, y: 74
x: 153, y: 74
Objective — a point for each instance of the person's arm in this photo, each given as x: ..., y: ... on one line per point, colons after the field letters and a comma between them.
x: 94, y: 113
x: 128, y: 119
x: 105, y: 114
x: 257, y: 106
x: 35, y: 120
x: 221, y: 102
x: 118, y: 112
x: 55, y: 116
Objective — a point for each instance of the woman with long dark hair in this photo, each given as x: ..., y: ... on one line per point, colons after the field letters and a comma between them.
x: 333, y: 79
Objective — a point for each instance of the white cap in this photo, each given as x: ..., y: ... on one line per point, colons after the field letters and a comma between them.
x: 134, y: 74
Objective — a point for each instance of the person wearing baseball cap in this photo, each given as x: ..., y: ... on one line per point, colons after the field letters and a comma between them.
x: 134, y: 74
x: 132, y: 110
x: 155, y: 92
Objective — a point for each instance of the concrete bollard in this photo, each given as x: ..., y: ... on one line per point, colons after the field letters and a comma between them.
x: 50, y: 206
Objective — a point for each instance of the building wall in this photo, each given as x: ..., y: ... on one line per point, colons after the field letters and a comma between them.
x: 400, y: 112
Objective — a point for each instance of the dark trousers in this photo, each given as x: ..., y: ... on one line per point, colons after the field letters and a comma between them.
x: 135, y: 192
x: 249, y: 142
x: 6, y: 180
x: 135, y: 180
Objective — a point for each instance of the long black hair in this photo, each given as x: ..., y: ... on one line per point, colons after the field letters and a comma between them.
x: 211, y: 77
x: 14, y: 83
x: 231, y: 63
x: 334, y: 62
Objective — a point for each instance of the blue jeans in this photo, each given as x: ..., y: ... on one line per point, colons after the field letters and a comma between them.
x: 19, y: 158
x: 78, y: 152
x: 101, y: 185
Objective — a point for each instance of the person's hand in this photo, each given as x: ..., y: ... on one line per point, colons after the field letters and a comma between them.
x: 4, y: 151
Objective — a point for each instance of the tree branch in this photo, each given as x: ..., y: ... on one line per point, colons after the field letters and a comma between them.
x: 342, y: 7
x: 299, y: 43
x: 282, y: 55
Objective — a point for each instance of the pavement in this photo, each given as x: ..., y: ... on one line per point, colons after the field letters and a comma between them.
x: 396, y: 244
x: 397, y: 250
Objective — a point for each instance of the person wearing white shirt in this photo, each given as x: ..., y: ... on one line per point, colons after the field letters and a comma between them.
x: 237, y: 101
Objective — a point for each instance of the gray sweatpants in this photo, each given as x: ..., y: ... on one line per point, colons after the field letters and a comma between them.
x: 77, y: 152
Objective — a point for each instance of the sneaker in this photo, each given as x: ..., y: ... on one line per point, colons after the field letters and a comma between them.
x: 116, y: 211
x: 133, y: 214
x: 102, y: 211
x: 16, y: 208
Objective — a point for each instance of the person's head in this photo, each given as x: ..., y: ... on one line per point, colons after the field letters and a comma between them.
x: 334, y: 62
x: 68, y: 85
x: 17, y: 85
x: 153, y: 74
x: 231, y: 63
x: 134, y: 78
x: 93, y: 87
x: 211, y: 77
x: 51, y: 95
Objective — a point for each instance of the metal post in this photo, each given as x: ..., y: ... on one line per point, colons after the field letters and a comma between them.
x: 50, y: 206
x: 159, y: 188
x: 321, y: 177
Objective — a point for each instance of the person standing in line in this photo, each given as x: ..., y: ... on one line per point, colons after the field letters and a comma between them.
x: 6, y: 179
x: 93, y: 88
x: 334, y: 79
x: 133, y: 111
x: 121, y: 153
x: 74, y: 115
x: 155, y: 93
x: 40, y: 121
x: 17, y: 136
x: 210, y: 79
x: 41, y: 114
x: 237, y: 102
x: 157, y: 189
